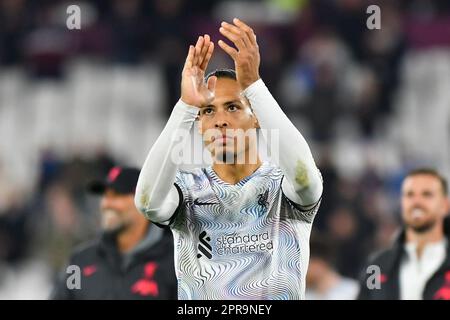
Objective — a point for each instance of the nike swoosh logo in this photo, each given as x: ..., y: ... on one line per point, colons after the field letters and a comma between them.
x: 198, y: 203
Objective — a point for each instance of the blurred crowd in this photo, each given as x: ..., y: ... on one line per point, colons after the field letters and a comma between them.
x: 338, y: 81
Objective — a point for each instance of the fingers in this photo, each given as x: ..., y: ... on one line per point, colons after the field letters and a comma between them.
x: 205, y: 50
x: 198, y: 49
x: 236, y: 35
x: 228, y: 49
x: 240, y: 34
x: 189, y: 58
x: 208, y: 56
x: 248, y: 31
x: 202, y: 52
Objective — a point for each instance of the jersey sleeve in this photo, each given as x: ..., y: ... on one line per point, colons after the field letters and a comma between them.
x: 295, y: 211
x: 178, y: 195
x: 302, y: 181
x: 157, y: 195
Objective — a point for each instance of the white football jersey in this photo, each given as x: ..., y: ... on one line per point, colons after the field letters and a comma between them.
x: 242, y: 241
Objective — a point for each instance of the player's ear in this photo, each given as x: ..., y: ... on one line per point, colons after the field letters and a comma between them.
x: 257, y: 124
x: 255, y: 120
x: 247, y: 104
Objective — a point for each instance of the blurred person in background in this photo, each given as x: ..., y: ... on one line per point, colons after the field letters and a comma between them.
x: 417, y: 266
x: 323, y: 282
x: 345, y: 228
x: 132, y: 259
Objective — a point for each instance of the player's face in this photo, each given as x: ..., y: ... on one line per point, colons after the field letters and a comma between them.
x: 423, y: 202
x: 117, y: 211
x: 228, y: 124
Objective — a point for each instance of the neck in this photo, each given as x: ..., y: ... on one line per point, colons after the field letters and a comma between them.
x: 233, y: 173
x: 130, y: 238
x: 435, y: 234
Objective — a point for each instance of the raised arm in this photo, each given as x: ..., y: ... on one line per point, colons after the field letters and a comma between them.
x: 302, y: 181
x: 156, y: 195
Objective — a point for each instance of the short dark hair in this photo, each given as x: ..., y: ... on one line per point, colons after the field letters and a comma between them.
x: 222, y: 73
x: 430, y: 172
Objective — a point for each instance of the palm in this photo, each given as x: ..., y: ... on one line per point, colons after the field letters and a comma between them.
x: 193, y: 87
x: 194, y: 91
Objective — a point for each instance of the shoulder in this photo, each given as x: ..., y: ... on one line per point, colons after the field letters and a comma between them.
x: 190, y: 171
x: 269, y: 166
x: 271, y: 171
x: 382, y: 257
x: 190, y: 175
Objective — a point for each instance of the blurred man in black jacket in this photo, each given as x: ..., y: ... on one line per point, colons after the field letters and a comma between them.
x: 417, y: 266
x: 132, y: 259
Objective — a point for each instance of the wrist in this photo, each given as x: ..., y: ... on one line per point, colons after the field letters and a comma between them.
x: 185, y: 101
x: 188, y: 102
x: 249, y: 82
x: 186, y: 107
